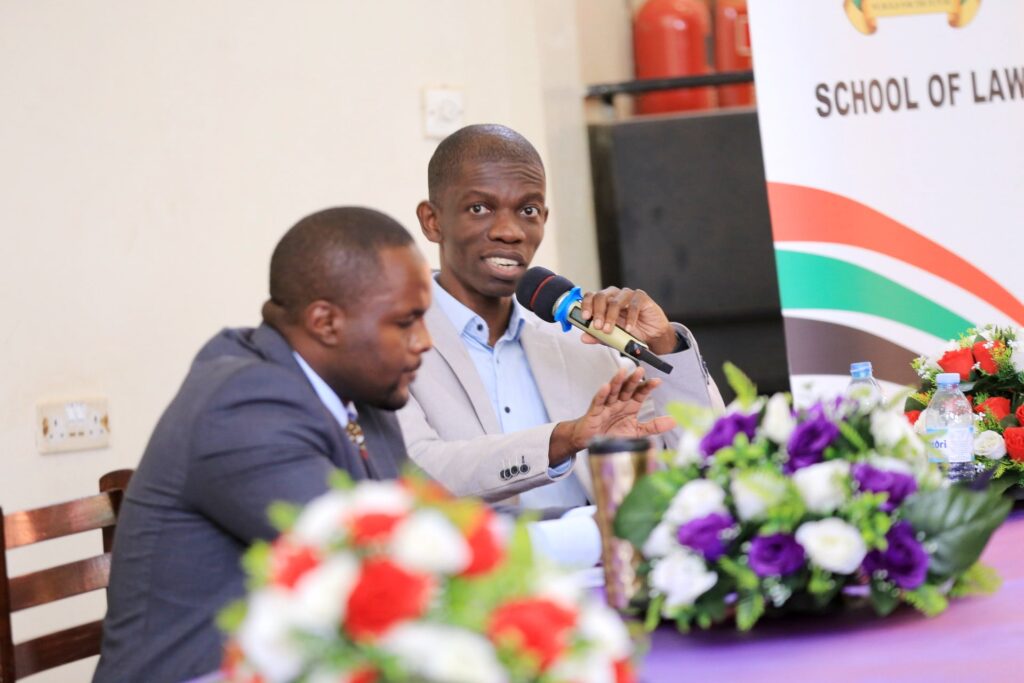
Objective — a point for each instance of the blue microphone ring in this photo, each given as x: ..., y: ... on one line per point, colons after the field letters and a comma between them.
x: 562, y: 312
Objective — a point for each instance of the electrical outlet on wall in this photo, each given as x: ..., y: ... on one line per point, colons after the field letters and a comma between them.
x: 73, y: 425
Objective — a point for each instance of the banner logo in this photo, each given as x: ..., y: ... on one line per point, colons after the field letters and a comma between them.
x: 864, y: 14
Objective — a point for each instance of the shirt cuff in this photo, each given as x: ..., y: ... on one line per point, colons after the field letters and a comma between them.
x: 561, y: 468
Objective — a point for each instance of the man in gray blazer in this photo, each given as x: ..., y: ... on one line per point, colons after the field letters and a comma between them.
x: 506, y: 404
x: 265, y: 414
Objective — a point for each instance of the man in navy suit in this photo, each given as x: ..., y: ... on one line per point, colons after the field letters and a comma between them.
x: 265, y: 414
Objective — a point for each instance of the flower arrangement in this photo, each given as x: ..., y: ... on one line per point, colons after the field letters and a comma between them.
x: 765, y: 509
x: 990, y: 362
x: 397, y: 581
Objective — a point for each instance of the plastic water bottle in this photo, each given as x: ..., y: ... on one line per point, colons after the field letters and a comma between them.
x: 863, y: 387
x: 949, y: 424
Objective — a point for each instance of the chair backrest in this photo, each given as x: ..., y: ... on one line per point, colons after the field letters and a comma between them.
x: 55, y: 583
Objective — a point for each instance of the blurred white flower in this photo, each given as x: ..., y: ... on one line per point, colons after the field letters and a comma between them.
x: 688, y: 452
x: 265, y: 636
x: 591, y: 667
x: 681, y: 577
x: 603, y: 627
x: 778, y: 422
x: 824, y: 485
x: 661, y: 541
x: 560, y: 587
x: 754, y: 492
x: 889, y: 427
x: 1017, y: 354
x: 697, y: 498
x: 889, y: 464
x: 832, y: 544
x: 444, y: 654
x: 426, y: 541
x: 919, y: 424
x: 323, y: 519
x: 381, y: 497
x: 321, y: 595
x: 990, y: 444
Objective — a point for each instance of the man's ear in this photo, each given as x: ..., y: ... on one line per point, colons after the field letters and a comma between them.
x: 324, y: 321
x: 429, y: 221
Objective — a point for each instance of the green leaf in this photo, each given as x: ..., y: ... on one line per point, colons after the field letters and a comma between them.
x: 645, y: 505
x: 957, y: 523
x: 256, y: 564
x: 283, y: 515
x: 927, y: 599
x: 746, y: 391
x: 914, y: 402
x: 230, y: 618
x: 884, y: 597
x: 980, y: 579
x: 341, y: 480
x: 691, y: 418
x: 853, y: 436
x: 748, y: 610
x: 653, y: 616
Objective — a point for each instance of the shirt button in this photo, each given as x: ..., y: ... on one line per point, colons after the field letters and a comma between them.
x: 507, y: 409
x: 479, y: 328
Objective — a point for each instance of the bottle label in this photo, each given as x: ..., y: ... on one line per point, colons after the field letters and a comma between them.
x: 955, y: 443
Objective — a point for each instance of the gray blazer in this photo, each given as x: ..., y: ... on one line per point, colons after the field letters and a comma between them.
x: 245, y: 429
x: 453, y: 433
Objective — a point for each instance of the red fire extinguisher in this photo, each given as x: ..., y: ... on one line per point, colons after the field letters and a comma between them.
x: 670, y: 38
x: 732, y: 50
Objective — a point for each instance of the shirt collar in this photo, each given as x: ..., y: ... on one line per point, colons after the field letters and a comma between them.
x: 342, y: 412
x: 466, y: 321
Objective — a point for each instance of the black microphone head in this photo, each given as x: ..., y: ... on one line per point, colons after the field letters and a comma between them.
x: 539, y: 290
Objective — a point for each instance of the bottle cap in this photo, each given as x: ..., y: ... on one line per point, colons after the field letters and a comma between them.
x: 861, y: 369
x: 945, y: 379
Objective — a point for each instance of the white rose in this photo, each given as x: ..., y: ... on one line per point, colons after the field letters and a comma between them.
x: 321, y: 594
x: 559, y: 586
x: 688, y: 452
x: 832, y: 544
x: 603, y: 628
x: 681, y: 577
x: 445, y: 654
x: 698, y: 498
x: 426, y: 541
x: 1017, y: 355
x: 323, y: 519
x: 888, y: 428
x: 823, y: 486
x: 889, y: 464
x: 990, y: 445
x: 592, y: 667
x: 381, y: 497
x: 265, y: 636
x: 755, y: 492
x: 919, y: 424
x: 778, y: 423
x: 661, y: 541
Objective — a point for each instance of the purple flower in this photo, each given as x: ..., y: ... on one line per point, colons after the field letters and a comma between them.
x: 809, y: 440
x: 897, y: 484
x: 704, y: 535
x: 775, y: 555
x: 904, y: 562
x: 725, y: 429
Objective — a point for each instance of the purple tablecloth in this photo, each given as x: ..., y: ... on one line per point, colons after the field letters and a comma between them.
x: 977, y: 640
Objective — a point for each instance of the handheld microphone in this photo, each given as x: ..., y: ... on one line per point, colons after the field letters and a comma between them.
x: 555, y: 299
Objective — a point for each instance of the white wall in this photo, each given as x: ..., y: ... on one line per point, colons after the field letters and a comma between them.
x: 152, y: 153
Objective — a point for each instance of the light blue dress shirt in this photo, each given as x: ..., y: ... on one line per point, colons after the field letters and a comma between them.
x: 342, y: 412
x: 513, y: 391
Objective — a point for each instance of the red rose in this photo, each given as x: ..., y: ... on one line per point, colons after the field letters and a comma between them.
x: 912, y: 416
x: 384, y: 595
x: 960, y: 361
x: 984, y: 355
x: 487, y: 551
x: 999, y: 407
x: 374, y: 527
x: 537, y: 626
x: 1020, y: 414
x: 289, y: 562
x: 363, y: 676
x: 1014, y: 437
x: 624, y: 672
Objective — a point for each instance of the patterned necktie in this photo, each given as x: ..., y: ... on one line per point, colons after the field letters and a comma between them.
x: 356, y: 436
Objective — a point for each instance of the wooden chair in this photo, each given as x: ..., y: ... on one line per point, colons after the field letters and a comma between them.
x: 55, y: 583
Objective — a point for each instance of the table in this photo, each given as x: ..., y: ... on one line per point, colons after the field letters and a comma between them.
x: 977, y: 640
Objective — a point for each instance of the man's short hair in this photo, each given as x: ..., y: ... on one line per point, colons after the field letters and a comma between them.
x: 480, y: 142
x: 332, y: 254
